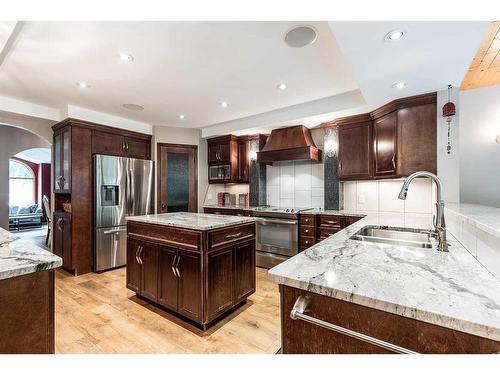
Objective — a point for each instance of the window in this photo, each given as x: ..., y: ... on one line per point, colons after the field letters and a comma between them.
x: 21, y: 184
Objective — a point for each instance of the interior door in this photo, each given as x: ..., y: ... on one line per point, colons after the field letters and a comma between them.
x: 177, y: 178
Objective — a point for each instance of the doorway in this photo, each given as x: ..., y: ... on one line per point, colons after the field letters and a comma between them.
x: 177, y: 178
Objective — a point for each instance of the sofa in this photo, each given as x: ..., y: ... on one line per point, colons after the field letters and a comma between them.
x: 21, y: 217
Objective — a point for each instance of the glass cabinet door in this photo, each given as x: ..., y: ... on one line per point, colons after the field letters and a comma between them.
x: 57, y: 161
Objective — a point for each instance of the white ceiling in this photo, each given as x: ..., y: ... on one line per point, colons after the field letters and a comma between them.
x: 36, y: 155
x: 430, y: 55
x: 179, y: 67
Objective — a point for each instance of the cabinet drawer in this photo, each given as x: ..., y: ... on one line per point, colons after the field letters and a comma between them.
x: 327, y: 232
x: 225, y: 236
x: 348, y: 220
x: 330, y: 221
x: 307, y: 220
x: 307, y: 231
x: 306, y: 242
x: 176, y: 237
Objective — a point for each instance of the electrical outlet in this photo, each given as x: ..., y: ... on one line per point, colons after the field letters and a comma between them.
x: 361, y: 199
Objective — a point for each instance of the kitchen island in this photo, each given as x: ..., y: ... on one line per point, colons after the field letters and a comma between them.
x: 416, y: 299
x: 199, y: 266
x: 26, y: 296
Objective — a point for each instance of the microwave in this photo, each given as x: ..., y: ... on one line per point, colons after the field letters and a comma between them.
x: 219, y: 172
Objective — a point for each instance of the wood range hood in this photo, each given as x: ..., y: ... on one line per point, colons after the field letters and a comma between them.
x: 292, y: 143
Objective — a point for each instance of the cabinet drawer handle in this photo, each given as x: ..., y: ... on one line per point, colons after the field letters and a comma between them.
x: 173, y: 266
x: 59, y: 224
x: 306, y: 220
x: 303, y: 303
x: 123, y: 145
x: 177, y: 266
x: 306, y: 230
x: 307, y: 242
x: 394, y: 160
x: 233, y: 235
x: 331, y: 222
x: 340, y: 165
x: 137, y: 255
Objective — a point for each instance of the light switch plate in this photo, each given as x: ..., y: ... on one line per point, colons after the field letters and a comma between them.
x: 361, y: 199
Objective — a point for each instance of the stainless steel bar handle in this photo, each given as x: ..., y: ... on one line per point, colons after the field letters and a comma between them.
x: 233, y: 235
x: 173, y: 266
x: 59, y: 223
x: 394, y: 160
x: 111, y: 231
x: 331, y: 222
x: 279, y: 221
x: 137, y: 254
x: 301, y: 305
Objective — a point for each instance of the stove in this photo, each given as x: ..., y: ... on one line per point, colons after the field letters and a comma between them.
x: 277, y: 234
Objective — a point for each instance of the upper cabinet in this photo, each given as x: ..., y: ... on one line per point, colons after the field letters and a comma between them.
x: 62, y: 160
x: 229, y: 158
x: 390, y: 142
x: 117, y: 144
x: 355, y: 151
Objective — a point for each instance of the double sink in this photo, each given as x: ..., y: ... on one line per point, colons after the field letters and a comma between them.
x: 395, y: 236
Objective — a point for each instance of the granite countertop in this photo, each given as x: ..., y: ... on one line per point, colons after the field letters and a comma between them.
x: 320, y: 211
x: 447, y: 289
x: 19, y: 257
x: 230, y: 207
x: 191, y: 220
x: 486, y: 218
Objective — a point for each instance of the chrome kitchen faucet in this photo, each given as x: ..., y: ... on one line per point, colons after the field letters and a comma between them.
x: 439, y: 224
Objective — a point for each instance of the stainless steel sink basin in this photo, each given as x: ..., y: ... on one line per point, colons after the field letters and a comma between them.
x: 395, y: 236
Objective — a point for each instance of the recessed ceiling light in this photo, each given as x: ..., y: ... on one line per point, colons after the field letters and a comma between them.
x: 126, y: 57
x: 300, y: 36
x: 182, y: 117
x: 133, y: 107
x: 83, y: 85
x: 224, y: 104
x: 282, y: 86
x: 394, y: 35
x: 399, y: 85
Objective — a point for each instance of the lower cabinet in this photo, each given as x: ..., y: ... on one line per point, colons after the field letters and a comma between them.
x: 198, y: 285
x: 62, y: 237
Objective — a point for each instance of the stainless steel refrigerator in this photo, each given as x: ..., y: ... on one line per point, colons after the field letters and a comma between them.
x: 122, y: 187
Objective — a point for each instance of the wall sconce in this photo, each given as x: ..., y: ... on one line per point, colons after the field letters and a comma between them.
x: 254, y: 147
x: 331, y: 142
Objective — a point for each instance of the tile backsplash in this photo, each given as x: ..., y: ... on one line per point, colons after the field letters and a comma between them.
x: 295, y: 184
x: 382, y: 196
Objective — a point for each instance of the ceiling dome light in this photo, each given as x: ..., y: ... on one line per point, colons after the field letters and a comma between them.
x: 399, y: 85
x: 182, y: 117
x: 224, y: 104
x: 133, y: 107
x: 300, y: 36
x: 83, y: 85
x: 282, y: 86
x: 126, y: 57
x: 394, y: 35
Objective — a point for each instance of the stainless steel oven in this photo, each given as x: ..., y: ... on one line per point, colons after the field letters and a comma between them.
x: 277, y: 239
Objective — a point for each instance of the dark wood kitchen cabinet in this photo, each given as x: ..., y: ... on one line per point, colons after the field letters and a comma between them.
x: 222, y: 149
x: 199, y: 274
x: 111, y: 143
x: 385, y: 130
x: 62, y: 237
x: 243, y: 159
x: 355, y: 150
x: 304, y: 337
x: 74, y: 143
x: 392, y: 141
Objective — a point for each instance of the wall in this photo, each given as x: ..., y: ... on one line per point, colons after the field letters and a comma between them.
x: 12, y: 141
x: 164, y: 134
x: 382, y: 196
x: 479, y: 153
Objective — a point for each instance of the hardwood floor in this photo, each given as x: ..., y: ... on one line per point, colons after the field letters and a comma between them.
x: 95, y: 313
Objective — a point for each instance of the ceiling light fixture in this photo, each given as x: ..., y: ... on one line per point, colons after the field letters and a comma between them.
x: 224, y: 104
x: 83, y: 85
x: 394, y: 35
x: 182, y: 117
x: 282, y: 86
x: 126, y: 57
x: 133, y: 107
x: 399, y: 85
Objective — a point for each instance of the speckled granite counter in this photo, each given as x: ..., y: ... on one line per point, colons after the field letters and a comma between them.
x: 190, y: 220
x: 317, y: 211
x: 447, y: 289
x: 18, y: 257
x: 230, y: 207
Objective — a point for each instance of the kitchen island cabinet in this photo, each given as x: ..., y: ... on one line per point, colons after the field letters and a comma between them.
x: 195, y: 265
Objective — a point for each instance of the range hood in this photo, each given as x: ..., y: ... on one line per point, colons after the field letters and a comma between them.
x: 293, y: 143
